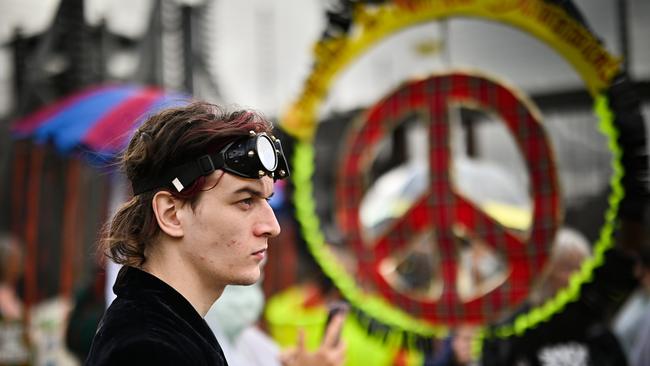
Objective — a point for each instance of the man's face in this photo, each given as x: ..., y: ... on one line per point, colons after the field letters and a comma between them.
x: 226, y: 234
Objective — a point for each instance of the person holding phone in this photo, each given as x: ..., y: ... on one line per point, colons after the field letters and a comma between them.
x: 233, y: 319
x: 332, y: 350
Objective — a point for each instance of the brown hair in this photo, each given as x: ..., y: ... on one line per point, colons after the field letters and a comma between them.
x: 167, y: 139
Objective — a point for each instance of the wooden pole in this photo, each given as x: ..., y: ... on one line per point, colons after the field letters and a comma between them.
x: 70, y: 228
x: 32, y: 227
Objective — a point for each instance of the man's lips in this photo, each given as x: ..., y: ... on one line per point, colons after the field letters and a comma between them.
x: 261, y: 251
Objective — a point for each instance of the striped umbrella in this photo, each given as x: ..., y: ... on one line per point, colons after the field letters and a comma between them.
x: 98, y: 120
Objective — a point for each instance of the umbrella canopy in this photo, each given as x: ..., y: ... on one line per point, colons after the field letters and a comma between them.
x: 98, y: 120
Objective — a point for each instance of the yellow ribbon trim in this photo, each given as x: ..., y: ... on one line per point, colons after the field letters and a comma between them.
x: 546, y: 22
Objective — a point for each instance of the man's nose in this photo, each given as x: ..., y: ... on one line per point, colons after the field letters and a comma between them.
x: 269, y: 225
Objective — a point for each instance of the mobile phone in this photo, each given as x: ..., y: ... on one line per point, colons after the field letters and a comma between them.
x: 335, y: 308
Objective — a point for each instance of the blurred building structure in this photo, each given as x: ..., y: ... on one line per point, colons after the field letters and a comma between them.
x: 257, y: 53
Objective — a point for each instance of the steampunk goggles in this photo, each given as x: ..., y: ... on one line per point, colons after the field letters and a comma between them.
x: 253, y: 156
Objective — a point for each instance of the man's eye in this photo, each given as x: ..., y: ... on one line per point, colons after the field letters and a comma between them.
x: 246, y: 201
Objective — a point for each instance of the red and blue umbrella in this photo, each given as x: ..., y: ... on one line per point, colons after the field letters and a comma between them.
x: 98, y: 120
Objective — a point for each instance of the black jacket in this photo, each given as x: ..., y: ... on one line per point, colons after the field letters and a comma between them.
x: 150, y: 323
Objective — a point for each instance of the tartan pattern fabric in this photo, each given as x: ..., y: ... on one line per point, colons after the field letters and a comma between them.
x: 440, y: 207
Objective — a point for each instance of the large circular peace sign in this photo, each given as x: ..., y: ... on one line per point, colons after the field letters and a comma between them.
x: 441, y: 208
x: 549, y: 22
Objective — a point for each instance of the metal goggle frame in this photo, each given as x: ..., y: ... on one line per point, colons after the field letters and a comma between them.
x: 253, y: 156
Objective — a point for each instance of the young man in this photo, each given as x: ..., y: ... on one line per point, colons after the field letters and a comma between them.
x: 199, y: 220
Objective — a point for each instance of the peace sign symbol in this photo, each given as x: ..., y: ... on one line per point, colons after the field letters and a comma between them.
x: 441, y: 209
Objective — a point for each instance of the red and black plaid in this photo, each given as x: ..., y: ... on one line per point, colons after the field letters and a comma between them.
x: 441, y: 207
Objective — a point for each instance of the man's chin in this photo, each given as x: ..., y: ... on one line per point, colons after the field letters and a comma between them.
x: 247, y: 280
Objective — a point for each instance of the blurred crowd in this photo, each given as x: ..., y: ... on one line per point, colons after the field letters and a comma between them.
x: 609, y: 324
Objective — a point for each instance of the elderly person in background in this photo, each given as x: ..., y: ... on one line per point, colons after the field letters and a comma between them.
x: 578, y: 334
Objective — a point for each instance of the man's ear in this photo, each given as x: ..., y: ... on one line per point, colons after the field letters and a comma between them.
x: 166, y: 208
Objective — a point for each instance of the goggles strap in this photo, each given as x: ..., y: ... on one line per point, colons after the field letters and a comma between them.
x: 183, y: 175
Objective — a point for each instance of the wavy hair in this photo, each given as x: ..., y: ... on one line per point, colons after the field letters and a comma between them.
x: 166, y: 139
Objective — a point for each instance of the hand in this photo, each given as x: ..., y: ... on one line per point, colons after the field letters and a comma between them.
x: 330, y: 353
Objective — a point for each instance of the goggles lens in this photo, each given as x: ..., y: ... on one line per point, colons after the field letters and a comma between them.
x: 266, y: 152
